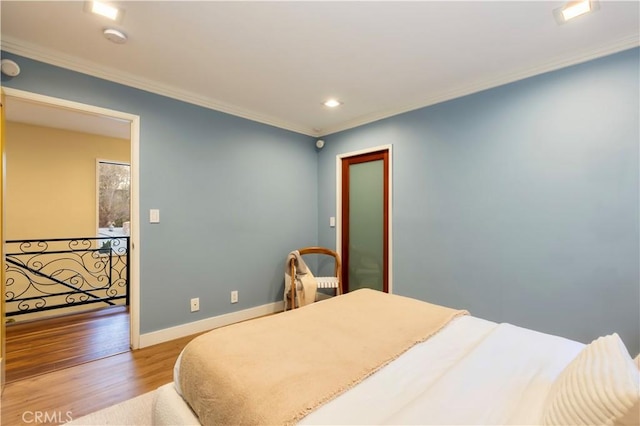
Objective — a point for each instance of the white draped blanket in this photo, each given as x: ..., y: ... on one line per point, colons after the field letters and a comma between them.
x: 306, y: 285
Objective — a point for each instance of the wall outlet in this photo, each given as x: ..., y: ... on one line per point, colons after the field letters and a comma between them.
x: 195, y: 304
x: 234, y: 296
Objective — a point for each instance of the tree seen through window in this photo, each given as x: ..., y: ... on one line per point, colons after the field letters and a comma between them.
x: 113, y: 194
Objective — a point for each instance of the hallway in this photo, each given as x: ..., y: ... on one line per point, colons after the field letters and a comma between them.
x: 42, y: 346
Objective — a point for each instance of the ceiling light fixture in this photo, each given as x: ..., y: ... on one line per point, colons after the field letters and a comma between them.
x: 115, y: 36
x: 332, y: 103
x: 105, y: 10
x: 574, y: 9
x: 9, y: 67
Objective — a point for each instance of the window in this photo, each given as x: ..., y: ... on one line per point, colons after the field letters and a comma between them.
x: 114, y: 182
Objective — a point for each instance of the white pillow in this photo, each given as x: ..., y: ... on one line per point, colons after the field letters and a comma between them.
x: 601, y: 386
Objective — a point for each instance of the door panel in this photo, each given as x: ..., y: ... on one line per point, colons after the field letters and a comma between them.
x: 365, y: 221
x: 366, y: 230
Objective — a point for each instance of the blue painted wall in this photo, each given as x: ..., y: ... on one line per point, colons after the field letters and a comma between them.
x: 518, y: 203
x: 235, y: 197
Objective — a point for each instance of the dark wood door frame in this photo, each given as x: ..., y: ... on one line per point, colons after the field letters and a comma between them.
x: 346, y: 161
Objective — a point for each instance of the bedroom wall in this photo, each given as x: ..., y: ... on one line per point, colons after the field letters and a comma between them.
x: 518, y: 203
x: 224, y: 188
x: 51, y: 180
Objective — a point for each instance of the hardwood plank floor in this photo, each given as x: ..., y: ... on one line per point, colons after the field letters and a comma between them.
x: 41, y: 346
x: 92, y: 386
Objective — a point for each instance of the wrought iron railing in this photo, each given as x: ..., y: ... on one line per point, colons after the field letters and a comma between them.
x: 42, y: 275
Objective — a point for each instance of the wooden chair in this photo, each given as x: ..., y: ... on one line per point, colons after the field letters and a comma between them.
x: 334, y: 282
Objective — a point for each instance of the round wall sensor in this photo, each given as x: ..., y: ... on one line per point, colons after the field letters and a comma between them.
x: 115, y: 36
x: 10, y: 68
x: 319, y: 143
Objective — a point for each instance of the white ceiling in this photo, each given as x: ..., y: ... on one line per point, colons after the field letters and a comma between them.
x: 40, y: 114
x: 276, y: 62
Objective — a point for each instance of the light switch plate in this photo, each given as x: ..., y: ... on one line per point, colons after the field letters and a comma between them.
x: 332, y: 221
x: 154, y: 216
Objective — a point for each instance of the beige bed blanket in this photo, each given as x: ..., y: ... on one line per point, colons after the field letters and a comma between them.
x: 277, y: 369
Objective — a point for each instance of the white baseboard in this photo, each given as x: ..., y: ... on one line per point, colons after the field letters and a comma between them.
x: 172, y: 333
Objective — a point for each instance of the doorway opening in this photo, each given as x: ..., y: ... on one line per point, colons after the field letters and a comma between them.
x: 63, y: 264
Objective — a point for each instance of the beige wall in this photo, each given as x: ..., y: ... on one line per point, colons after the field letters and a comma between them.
x: 51, y: 180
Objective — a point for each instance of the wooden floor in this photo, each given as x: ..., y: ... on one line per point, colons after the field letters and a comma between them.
x: 91, y: 386
x: 46, y: 345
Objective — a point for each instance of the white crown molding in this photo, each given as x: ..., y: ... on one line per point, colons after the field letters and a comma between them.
x: 75, y: 64
x: 620, y: 45
x: 52, y: 57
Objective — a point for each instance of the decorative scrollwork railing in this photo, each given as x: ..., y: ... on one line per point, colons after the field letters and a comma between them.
x: 57, y: 273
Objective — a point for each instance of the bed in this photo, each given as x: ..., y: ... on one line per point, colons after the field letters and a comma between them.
x: 321, y: 364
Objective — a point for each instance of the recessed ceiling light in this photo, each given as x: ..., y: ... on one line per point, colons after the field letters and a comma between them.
x: 104, y: 9
x: 574, y: 9
x: 332, y: 103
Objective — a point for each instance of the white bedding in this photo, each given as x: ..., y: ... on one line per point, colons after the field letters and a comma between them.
x: 472, y: 372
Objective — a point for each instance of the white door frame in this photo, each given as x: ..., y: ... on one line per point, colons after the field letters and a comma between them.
x: 339, y: 158
x: 134, y: 258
